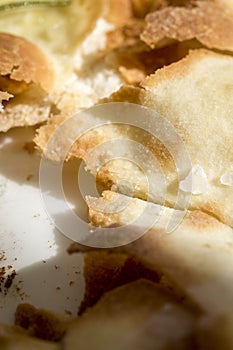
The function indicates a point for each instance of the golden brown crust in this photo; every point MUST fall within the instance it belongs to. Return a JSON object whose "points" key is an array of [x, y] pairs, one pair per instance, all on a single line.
{"points": [[210, 23], [24, 61], [200, 219], [179, 70], [135, 65], [133, 58]]}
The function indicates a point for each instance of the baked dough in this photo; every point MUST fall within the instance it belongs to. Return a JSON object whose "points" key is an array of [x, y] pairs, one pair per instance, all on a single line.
{"points": [[26, 77], [202, 21], [196, 256], [138, 315]]}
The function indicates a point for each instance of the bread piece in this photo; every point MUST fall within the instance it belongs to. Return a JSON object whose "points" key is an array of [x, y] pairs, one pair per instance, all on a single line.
{"points": [[22, 61], [135, 59], [30, 107], [196, 256], [13, 339], [194, 95], [104, 271], [138, 315], [130, 21], [136, 62], [202, 119], [191, 24], [209, 22], [27, 76]]}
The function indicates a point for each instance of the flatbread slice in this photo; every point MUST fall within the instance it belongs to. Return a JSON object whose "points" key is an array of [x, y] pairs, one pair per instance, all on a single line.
{"points": [[138, 315], [197, 256], [195, 96], [104, 271]]}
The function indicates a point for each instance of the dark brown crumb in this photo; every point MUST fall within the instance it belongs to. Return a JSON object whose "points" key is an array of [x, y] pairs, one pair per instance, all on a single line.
{"points": [[6, 280], [2, 255], [9, 280], [29, 177]]}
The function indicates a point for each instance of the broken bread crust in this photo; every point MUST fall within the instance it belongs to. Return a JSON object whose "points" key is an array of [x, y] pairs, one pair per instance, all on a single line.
{"points": [[27, 76], [24, 61], [196, 256], [194, 95], [209, 22], [30, 107]]}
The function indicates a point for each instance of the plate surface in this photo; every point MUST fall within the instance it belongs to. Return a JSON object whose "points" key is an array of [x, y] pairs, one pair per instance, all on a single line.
{"points": [[46, 276]]}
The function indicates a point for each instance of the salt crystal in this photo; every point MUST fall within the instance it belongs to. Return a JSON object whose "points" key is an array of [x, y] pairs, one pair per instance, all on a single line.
{"points": [[196, 182], [227, 179]]}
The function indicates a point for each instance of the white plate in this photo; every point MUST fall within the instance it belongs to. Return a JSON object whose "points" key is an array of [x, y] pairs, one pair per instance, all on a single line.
{"points": [[46, 276]]}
